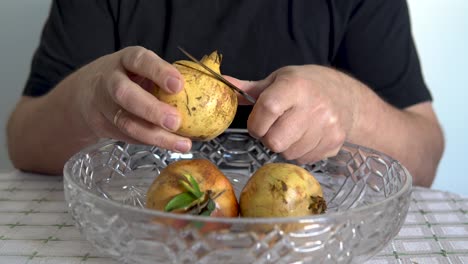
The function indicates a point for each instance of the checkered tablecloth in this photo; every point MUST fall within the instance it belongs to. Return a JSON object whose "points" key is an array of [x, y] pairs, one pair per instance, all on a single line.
{"points": [[36, 228]]}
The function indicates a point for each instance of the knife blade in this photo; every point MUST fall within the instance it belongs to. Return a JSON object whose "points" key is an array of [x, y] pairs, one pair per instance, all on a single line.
{"points": [[219, 77]]}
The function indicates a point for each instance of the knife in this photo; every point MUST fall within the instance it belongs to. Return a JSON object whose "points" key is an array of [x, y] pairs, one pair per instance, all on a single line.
{"points": [[219, 77]]}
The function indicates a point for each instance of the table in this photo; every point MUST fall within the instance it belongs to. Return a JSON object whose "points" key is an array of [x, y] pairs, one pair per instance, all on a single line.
{"points": [[36, 228]]}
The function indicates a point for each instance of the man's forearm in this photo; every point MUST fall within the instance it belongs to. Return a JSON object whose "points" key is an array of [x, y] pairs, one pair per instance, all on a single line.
{"points": [[412, 136], [44, 132]]}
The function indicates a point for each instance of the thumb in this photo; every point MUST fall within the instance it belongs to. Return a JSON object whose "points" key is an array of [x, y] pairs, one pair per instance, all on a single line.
{"points": [[253, 88]]}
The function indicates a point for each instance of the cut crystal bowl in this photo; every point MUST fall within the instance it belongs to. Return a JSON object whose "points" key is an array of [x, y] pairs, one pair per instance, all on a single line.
{"points": [[367, 193]]}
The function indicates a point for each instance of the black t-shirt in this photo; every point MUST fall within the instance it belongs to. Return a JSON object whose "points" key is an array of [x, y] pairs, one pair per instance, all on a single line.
{"points": [[368, 39]]}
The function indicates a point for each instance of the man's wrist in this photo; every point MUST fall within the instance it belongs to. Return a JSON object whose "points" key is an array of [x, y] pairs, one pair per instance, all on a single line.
{"points": [[355, 91], [68, 97]]}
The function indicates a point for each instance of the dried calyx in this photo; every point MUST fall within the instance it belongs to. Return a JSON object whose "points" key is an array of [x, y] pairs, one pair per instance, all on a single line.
{"points": [[193, 200], [317, 205]]}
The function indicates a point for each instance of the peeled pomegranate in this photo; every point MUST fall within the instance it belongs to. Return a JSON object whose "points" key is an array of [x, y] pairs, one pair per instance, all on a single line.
{"points": [[281, 190], [207, 106]]}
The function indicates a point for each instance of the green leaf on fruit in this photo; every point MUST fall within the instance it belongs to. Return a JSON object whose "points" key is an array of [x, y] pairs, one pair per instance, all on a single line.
{"points": [[209, 208], [191, 185], [206, 212], [198, 224], [180, 201], [195, 186]]}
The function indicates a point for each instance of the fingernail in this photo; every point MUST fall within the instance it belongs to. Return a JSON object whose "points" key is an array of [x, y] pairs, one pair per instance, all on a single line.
{"points": [[182, 146], [171, 122], [173, 84]]}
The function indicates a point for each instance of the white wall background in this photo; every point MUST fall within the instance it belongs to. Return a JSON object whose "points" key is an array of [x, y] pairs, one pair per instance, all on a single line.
{"points": [[440, 29], [21, 22]]}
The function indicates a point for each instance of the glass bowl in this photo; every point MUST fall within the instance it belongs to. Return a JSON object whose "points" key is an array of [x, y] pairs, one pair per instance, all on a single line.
{"points": [[367, 193]]}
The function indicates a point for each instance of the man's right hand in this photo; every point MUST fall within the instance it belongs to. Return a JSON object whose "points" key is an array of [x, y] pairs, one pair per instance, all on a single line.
{"points": [[107, 98], [114, 98]]}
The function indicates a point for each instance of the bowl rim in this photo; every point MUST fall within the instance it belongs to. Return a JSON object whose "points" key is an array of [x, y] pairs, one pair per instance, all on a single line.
{"points": [[68, 179]]}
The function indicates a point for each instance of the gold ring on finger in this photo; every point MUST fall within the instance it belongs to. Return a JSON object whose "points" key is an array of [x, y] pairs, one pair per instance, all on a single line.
{"points": [[117, 116]]}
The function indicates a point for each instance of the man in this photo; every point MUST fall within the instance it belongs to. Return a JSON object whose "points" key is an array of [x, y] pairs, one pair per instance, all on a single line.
{"points": [[356, 78]]}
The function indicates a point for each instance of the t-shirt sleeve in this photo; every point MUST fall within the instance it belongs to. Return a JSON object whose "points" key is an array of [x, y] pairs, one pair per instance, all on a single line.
{"points": [[378, 49], [75, 33]]}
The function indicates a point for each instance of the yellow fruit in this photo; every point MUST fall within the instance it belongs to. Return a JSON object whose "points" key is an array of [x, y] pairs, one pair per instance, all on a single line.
{"points": [[281, 190], [207, 106]]}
